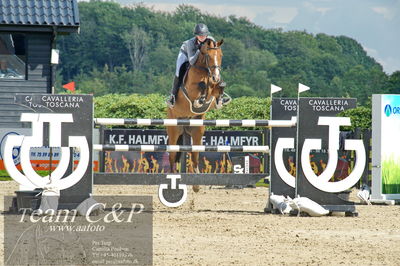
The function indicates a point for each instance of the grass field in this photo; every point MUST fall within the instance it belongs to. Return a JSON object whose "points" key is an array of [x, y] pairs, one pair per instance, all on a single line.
{"points": [[4, 176], [391, 176]]}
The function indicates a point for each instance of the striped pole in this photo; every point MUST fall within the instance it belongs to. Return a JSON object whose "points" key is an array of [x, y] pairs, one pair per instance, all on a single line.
{"points": [[195, 122], [180, 148]]}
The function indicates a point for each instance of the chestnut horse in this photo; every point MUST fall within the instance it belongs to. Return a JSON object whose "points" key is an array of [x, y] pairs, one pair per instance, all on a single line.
{"points": [[199, 93]]}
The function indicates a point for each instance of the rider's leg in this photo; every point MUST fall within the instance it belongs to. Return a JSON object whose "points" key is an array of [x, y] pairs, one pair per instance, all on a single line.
{"points": [[225, 100], [174, 92], [175, 86]]}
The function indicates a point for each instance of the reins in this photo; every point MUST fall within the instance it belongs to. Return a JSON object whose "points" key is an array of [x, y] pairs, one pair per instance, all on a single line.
{"points": [[208, 68]]}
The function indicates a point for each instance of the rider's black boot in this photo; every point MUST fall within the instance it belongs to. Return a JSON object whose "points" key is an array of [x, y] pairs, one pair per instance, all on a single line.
{"points": [[174, 92], [225, 100]]}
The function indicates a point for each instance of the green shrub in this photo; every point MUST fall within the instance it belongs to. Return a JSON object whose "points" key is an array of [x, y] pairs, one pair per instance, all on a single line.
{"points": [[153, 106], [360, 118]]}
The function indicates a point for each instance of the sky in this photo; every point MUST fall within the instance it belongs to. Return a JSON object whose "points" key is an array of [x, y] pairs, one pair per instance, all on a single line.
{"points": [[375, 24]]}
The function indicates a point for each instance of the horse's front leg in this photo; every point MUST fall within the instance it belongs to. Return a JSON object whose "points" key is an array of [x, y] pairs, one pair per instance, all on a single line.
{"points": [[202, 87], [195, 160], [173, 135], [197, 135]]}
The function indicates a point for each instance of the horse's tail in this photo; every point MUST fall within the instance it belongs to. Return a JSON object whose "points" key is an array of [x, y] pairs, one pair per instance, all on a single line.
{"points": [[178, 154]]}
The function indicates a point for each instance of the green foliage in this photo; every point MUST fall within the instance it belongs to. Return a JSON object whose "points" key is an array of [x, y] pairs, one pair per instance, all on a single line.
{"points": [[133, 50], [130, 106], [4, 176], [153, 106], [243, 108], [360, 117], [394, 83]]}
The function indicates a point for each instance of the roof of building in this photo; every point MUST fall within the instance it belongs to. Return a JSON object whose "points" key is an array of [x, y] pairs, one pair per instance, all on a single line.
{"points": [[40, 13]]}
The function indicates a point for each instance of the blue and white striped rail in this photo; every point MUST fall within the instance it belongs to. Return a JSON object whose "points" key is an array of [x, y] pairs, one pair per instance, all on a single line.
{"points": [[180, 148], [195, 122]]}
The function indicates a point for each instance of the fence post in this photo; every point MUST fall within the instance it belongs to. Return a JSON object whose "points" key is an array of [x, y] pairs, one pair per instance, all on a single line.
{"points": [[102, 166], [266, 157], [186, 140], [367, 134]]}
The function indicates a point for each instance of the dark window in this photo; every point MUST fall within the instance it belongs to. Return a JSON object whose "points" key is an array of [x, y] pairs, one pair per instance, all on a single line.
{"points": [[12, 56]]}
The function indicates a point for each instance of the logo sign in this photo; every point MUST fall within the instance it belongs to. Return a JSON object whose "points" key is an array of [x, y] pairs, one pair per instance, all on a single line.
{"points": [[319, 130], [241, 165], [174, 187], [322, 182], [16, 150], [64, 122], [30, 177], [391, 110], [388, 110]]}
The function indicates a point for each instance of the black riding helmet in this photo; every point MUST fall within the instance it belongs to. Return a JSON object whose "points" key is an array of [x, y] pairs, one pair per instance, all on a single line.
{"points": [[201, 29]]}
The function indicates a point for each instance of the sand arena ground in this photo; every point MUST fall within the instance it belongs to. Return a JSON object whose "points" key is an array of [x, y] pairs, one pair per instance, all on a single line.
{"points": [[228, 226]]}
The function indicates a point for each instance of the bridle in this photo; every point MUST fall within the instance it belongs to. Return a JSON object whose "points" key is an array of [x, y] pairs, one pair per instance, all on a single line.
{"points": [[209, 69], [213, 67]]}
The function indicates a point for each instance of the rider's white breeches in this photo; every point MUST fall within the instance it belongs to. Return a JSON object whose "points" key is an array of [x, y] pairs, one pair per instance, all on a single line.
{"points": [[182, 58]]}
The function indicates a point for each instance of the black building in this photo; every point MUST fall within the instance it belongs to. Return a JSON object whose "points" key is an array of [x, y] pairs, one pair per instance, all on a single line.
{"points": [[28, 58]]}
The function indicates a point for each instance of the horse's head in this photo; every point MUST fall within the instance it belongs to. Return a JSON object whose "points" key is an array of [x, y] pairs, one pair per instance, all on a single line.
{"points": [[212, 55]]}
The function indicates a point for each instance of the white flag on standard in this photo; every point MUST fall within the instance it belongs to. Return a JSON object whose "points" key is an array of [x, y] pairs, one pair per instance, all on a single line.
{"points": [[275, 88], [303, 88]]}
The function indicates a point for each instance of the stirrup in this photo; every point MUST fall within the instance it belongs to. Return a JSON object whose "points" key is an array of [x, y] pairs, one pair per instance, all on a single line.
{"points": [[225, 99]]}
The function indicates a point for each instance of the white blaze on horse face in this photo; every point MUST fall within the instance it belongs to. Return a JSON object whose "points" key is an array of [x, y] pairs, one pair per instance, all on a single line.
{"points": [[216, 75]]}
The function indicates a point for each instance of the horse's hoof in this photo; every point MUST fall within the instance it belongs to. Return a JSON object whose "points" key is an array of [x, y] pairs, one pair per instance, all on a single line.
{"points": [[196, 188], [219, 105], [196, 104]]}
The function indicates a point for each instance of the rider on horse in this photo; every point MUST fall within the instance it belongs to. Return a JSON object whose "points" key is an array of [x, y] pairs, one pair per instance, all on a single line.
{"points": [[188, 54]]}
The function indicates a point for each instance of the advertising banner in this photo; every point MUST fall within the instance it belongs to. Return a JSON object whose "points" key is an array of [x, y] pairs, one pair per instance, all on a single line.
{"points": [[283, 109], [41, 158], [58, 121], [313, 128], [385, 147], [283, 163], [158, 162]]}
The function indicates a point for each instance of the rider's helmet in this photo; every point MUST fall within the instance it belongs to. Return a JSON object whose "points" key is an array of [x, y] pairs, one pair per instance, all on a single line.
{"points": [[201, 29]]}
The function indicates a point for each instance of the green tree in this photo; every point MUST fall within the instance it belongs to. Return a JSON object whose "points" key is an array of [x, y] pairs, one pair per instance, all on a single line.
{"points": [[100, 61], [137, 41], [394, 83]]}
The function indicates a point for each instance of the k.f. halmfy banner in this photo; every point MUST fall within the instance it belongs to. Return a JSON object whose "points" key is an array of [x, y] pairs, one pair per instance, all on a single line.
{"points": [[158, 162]]}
